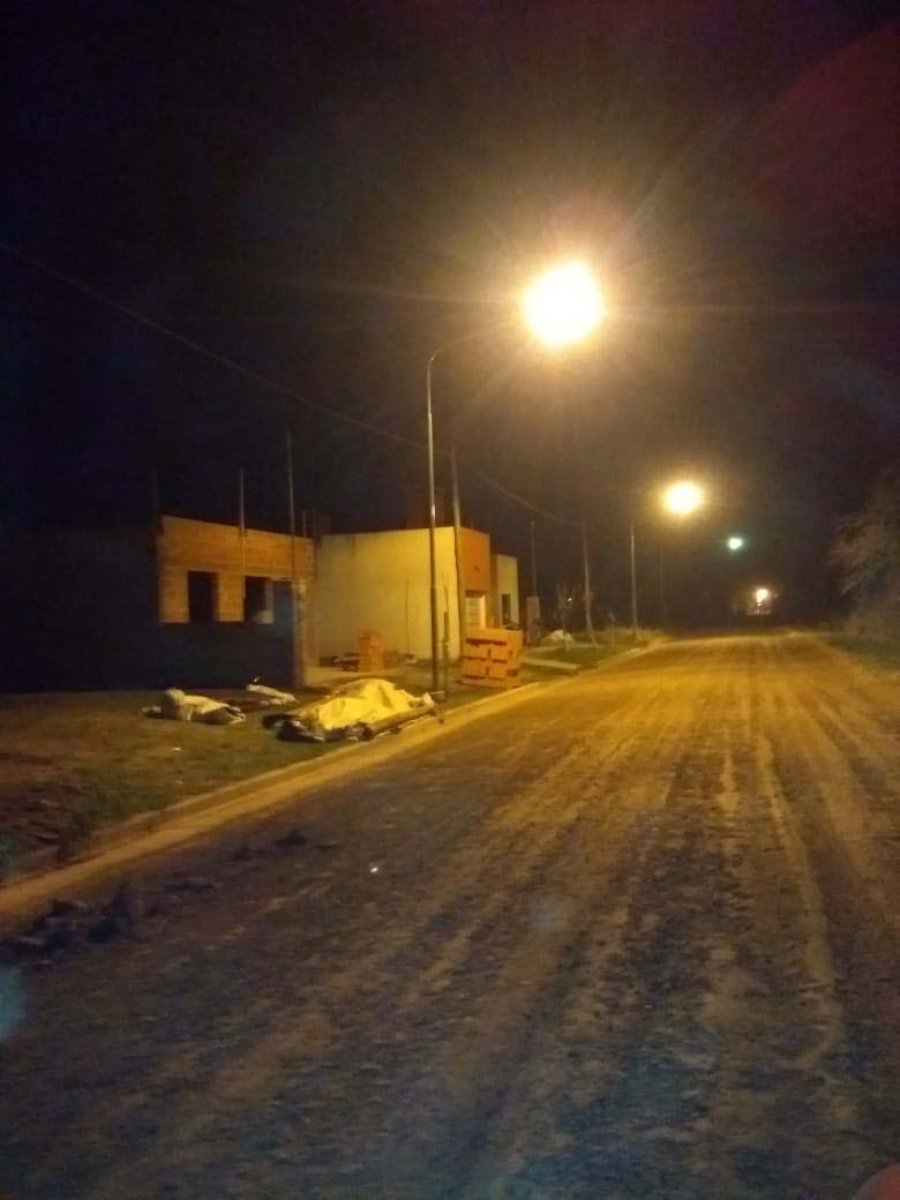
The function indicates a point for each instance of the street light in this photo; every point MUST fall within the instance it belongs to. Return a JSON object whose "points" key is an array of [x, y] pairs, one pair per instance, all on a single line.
{"points": [[561, 307], [564, 305], [734, 544], [681, 499]]}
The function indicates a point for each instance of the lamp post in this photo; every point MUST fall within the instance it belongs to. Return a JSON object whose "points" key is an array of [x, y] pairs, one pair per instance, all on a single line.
{"points": [[561, 307], [432, 522], [681, 499], [564, 306]]}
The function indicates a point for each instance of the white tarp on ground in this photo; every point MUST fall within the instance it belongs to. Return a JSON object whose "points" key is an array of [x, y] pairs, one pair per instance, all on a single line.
{"points": [[364, 706], [559, 637]]}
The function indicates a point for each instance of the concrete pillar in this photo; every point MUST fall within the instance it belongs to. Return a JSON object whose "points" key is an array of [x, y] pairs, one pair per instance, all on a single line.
{"points": [[228, 597]]}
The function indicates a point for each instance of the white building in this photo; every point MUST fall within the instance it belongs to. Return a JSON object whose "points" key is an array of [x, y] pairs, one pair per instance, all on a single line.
{"points": [[380, 582]]}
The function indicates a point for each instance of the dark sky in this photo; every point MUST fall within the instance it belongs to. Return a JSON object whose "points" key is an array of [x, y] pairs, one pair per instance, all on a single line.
{"points": [[324, 192]]}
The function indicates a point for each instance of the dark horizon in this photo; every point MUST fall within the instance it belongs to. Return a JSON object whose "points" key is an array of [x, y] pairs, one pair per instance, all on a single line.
{"points": [[324, 193]]}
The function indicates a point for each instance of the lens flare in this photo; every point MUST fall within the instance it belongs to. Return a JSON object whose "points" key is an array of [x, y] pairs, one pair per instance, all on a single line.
{"points": [[564, 305]]}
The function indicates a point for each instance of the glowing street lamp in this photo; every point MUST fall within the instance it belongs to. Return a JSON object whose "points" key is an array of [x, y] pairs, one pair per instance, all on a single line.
{"points": [[564, 305], [683, 498], [761, 595], [735, 543]]}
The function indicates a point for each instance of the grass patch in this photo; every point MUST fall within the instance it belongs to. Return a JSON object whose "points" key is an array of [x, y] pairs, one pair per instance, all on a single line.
{"points": [[74, 762], [881, 652], [588, 654]]}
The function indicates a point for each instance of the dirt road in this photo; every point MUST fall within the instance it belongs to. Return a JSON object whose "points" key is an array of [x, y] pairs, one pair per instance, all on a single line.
{"points": [[636, 937]]}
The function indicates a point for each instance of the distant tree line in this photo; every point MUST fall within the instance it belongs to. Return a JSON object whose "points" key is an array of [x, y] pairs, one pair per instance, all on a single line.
{"points": [[866, 554]]}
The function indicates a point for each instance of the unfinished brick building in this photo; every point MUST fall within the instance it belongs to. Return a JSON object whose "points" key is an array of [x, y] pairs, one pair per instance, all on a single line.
{"points": [[191, 604]]}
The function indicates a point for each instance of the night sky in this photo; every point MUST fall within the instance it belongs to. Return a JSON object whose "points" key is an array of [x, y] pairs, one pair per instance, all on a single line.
{"points": [[322, 193]]}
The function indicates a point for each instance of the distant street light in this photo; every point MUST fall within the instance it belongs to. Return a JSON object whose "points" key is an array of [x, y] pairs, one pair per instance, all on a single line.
{"points": [[735, 543], [562, 307], [761, 595]]}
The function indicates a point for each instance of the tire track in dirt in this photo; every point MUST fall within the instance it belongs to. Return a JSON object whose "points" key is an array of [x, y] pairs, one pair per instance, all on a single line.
{"points": [[183, 1062], [474, 878]]}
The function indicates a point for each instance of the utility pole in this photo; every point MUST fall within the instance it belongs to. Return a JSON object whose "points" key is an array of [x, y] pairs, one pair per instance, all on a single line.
{"points": [[457, 547], [588, 598], [663, 602], [634, 600], [242, 526], [297, 613], [534, 590]]}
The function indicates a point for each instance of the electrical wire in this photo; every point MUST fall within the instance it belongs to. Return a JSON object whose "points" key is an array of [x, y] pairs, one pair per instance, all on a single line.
{"points": [[272, 384]]}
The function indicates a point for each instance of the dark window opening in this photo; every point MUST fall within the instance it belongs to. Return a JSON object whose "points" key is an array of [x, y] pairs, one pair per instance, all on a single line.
{"points": [[506, 608], [201, 597], [257, 602]]}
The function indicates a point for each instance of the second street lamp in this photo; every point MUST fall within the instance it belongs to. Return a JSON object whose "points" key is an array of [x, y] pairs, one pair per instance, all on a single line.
{"points": [[681, 499]]}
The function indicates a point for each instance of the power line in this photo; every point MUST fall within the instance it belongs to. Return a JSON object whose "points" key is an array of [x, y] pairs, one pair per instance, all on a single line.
{"points": [[223, 360], [266, 382]]}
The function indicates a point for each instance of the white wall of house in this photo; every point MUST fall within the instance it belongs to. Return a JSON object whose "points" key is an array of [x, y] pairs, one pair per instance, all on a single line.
{"points": [[380, 582], [505, 581]]}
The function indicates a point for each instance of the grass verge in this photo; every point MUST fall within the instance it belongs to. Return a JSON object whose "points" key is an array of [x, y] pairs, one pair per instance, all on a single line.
{"points": [[74, 762], [881, 652]]}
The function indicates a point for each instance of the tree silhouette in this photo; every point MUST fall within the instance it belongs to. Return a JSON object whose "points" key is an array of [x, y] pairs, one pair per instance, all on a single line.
{"points": [[866, 553]]}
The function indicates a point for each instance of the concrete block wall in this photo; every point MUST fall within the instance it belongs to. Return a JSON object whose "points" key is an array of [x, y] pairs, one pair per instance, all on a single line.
{"points": [[173, 594], [207, 546], [228, 597]]}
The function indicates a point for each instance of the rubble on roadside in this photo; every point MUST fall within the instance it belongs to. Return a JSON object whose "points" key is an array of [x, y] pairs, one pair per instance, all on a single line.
{"points": [[68, 924]]}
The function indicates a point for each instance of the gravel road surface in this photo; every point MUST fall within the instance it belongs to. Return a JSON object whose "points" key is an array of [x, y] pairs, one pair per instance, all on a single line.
{"points": [[638, 936]]}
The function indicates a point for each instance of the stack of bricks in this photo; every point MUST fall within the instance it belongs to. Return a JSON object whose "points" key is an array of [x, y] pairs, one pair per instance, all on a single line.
{"points": [[491, 657], [371, 652]]}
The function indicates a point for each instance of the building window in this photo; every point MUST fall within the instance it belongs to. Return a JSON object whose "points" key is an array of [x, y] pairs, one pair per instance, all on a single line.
{"points": [[506, 608], [475, 610], [258, 600], [201, 597]]}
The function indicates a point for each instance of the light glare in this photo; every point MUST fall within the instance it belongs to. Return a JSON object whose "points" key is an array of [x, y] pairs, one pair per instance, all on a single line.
{"points": [[735, 543], [683, 498], [564, 305]]}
